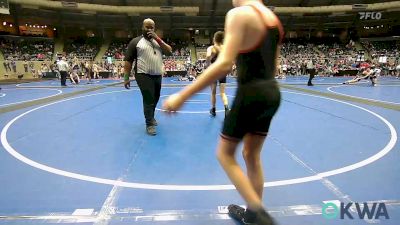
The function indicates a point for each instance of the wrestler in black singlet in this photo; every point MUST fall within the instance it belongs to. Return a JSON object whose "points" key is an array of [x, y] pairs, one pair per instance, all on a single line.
{"points": [[213, 59], [258, 96]]}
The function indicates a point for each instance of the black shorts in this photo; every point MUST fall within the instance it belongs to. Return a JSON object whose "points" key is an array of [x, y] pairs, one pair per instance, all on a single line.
{"points": [[312, 71], [221, 81], [252, 110]]}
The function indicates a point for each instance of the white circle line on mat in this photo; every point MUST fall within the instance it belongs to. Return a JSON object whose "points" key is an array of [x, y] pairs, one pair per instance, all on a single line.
{"points": [[385, 150]]}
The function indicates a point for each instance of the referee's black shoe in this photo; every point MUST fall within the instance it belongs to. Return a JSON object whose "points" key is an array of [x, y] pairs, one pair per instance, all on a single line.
{"points": [[151, 130]]}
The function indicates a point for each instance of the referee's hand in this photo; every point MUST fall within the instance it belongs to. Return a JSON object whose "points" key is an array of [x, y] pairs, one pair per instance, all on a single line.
{"points": [[127, 84]]}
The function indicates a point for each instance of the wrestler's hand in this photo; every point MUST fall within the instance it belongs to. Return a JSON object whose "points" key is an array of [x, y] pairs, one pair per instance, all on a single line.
{"points": [[173, 103]]}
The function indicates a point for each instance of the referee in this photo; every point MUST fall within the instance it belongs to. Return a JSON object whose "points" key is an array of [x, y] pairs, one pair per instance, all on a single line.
{"points": [[312, 71], [63, 67], [146, 52]]}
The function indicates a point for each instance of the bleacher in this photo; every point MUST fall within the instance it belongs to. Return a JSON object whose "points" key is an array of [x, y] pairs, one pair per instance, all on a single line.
{"points": [[83, 49], [26, 48]]}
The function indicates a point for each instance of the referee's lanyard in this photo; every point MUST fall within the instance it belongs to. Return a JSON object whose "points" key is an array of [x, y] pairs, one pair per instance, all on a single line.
{"points": [[152, 45]]}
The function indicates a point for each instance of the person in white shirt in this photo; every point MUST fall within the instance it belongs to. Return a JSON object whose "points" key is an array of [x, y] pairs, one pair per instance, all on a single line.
{"points": [[284, 69], [311, 71], [63, 67], [376, 72], [280, 74]]}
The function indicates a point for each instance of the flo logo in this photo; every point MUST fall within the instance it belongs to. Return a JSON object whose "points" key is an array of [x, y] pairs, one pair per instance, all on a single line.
{"points": [[370, 15], [363, 210]]}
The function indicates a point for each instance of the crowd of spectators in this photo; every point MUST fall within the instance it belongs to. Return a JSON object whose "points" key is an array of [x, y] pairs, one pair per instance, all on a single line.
{"points": [[382, 48], [83, 49], [31, 49], [328, 56], [117, 49]]}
